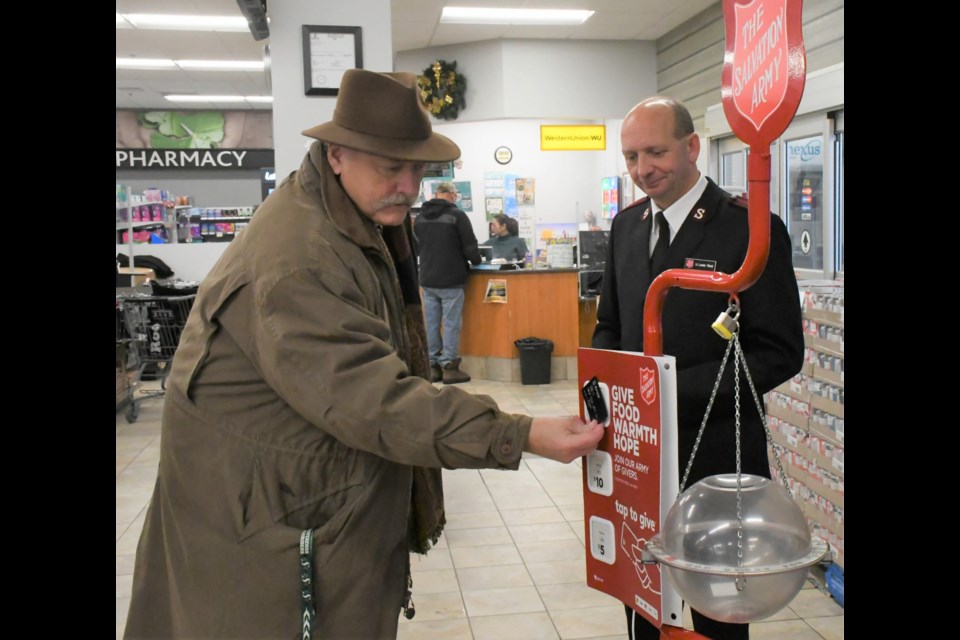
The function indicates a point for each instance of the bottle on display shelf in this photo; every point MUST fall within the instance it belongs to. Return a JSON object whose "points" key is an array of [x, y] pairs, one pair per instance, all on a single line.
{"points": [[528, 261]]}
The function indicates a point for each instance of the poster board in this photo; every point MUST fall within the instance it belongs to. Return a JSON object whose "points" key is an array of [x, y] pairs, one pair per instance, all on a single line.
{"points": [[631, 480], [610, 197]]}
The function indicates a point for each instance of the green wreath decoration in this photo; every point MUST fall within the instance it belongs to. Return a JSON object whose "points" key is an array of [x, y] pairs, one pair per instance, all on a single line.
{"points": [[442, 89]]}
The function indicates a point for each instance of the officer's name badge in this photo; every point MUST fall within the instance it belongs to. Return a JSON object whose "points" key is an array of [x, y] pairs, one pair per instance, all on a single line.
{"points": [[700, 263]]}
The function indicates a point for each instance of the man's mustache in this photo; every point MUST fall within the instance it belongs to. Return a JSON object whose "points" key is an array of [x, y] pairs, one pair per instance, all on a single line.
{"points": [[395, 200]]}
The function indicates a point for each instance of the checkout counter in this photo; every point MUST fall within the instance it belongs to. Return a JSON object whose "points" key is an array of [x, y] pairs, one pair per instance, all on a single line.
{"points": [[540, 302]]}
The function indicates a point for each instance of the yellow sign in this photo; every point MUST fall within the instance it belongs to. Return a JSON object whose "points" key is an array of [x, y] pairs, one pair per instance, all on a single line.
{"points": [[573, 137], [496, 291]]}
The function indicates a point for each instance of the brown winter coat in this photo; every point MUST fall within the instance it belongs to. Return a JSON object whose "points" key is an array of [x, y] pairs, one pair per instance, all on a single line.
{"points": [[291, 405]]}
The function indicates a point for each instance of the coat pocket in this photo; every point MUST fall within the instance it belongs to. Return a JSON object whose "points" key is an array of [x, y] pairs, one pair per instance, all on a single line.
{"points": [[296, 498]]}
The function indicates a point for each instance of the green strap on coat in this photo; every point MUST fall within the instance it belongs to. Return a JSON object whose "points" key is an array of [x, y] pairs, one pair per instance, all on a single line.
{"points": [[307, 605]]}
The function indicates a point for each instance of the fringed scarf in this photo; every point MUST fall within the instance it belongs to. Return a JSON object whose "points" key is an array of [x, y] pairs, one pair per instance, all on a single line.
{"points": [[427, 517]]}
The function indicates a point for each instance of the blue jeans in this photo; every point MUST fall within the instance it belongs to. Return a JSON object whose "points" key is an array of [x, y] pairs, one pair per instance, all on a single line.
{"points": [[444, 305]]}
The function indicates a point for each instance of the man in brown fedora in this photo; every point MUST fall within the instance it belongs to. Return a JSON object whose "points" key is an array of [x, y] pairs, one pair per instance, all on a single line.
{"points": [[302, 442]]}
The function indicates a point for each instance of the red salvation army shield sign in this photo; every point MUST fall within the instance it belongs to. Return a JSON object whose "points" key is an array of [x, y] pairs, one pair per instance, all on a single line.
{"points": [[648, 385], [764, 67]]}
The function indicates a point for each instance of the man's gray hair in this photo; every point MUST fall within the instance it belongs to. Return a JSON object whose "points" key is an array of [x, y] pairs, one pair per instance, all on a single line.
{"points": [[445, 187]]}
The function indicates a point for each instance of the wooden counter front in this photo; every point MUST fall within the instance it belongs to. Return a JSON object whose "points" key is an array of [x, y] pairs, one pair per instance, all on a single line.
{"points": [[541, 303]]}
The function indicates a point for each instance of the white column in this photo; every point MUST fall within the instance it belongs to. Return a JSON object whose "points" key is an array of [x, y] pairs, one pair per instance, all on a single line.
{"points": [[293, 111]]}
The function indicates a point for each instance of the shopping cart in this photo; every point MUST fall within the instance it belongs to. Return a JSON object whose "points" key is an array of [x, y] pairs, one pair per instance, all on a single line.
{"points": [[152, 325]]}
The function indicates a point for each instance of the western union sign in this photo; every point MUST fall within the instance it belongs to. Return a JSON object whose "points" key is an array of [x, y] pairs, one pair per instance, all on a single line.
{"points": [[573, 137]]}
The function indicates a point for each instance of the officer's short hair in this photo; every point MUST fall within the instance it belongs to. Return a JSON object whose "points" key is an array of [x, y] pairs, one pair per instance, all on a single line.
{"points": [[682, 120], [445, 187]]}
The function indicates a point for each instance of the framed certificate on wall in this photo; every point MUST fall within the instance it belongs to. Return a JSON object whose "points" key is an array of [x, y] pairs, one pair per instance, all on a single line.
{"points": [[328, 51]]}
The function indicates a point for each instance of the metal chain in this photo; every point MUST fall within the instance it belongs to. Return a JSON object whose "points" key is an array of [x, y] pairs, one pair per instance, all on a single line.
{"points": [[706, 415], [763, 419], [739, 358], [738, 354]]}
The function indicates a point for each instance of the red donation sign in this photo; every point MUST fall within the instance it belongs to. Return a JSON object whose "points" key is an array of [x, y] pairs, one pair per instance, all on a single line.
{"points": [[630, 481], [764, 67]]}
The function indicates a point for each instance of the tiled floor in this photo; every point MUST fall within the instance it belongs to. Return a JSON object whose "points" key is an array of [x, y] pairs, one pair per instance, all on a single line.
{"points": [[511, 562]]}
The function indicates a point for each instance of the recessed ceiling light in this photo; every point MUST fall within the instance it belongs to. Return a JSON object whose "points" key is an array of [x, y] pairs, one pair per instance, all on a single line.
{"points": [[193, 65], [199, 98], [481, 15], [145, 63], [187, 23], [221, 65]]}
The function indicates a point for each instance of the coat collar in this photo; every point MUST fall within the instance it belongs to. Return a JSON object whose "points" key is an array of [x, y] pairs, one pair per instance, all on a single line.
{"points": [[701, 213], [319, 180], [691, 232], [694, 226]]}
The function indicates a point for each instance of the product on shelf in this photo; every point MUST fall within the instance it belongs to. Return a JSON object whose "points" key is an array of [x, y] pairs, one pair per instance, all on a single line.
{"points": [[158, 216], [805, 416]]}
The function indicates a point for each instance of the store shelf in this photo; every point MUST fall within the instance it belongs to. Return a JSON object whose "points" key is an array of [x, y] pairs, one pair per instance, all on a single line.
{"points": [[122, 200], [838, 558], [139, 224], [826, 434], [811, 416], [826, 317], [197, 225], [783, 439], [828, 375], [786, 415], [788, 408], [794, 389], [130, 232], [826, 404], [829, 347], [815, 485], [823, 519], [813, 445]]}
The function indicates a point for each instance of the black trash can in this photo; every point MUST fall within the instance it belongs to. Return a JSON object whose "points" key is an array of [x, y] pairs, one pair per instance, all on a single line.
{"points": [[534, 360]]}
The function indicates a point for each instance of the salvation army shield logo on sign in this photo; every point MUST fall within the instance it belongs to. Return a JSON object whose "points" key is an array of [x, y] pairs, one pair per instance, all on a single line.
{"points": [[760, 59], [764, 67], [648, 385]]}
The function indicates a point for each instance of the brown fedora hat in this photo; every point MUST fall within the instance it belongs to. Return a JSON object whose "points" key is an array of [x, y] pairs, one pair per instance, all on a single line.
{"points": [[382, 113]]}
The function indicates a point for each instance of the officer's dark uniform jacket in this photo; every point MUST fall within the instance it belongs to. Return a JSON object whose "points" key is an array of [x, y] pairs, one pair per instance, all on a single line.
{"points": [[714, 237]]}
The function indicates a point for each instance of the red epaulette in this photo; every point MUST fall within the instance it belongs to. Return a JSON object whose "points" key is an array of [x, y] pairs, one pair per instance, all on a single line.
{"points": [[636, 203], [740, 201]]}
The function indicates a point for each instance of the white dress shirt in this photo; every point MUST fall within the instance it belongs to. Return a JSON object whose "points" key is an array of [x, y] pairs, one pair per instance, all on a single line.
{"points": [[677, 212]]}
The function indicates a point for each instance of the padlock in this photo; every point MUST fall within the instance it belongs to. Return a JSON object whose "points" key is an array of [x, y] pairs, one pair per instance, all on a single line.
{"points": [[726, 324]]}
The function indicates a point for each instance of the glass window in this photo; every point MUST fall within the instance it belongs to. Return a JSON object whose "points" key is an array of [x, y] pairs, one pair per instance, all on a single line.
{"points": [[803, 170], [775, 179], [839, 201], [733, 156], [733, 171]]}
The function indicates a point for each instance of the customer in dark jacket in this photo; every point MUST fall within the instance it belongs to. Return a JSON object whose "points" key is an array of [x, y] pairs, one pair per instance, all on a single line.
{"points": [[446, 245]]}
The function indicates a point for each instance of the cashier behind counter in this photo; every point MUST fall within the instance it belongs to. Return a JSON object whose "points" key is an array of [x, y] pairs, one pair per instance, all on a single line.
{"points": [[505, 239]]}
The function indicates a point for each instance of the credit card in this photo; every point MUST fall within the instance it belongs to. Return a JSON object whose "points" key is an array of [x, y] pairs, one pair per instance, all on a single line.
{"points": [[592, 396]]}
